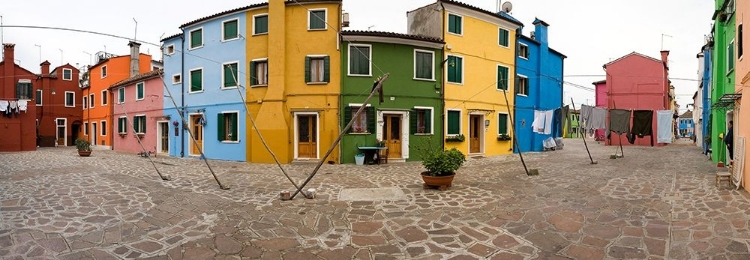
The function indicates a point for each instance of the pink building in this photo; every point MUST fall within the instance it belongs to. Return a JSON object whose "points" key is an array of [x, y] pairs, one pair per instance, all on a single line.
{"points": [[138, 107], [638, 82], [601, 99]]}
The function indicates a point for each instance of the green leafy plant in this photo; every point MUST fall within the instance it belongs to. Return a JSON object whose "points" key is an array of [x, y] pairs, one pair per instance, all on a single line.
{"points": [[443, 162], [503, 137], [83, 145], [457, 138]]}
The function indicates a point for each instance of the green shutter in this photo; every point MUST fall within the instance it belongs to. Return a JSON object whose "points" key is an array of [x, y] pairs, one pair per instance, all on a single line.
{"points": [[136, 124], [413, 119], [502, 124], [235, 126], [196, 80], [19, 87], [196, 38], [143, 118], [424, 65], [317, 19], [427, 121], [307, 69], [119, 125], [326, 69], [253, 74], [139, 89], [220, 124], [261, 24], [370, 119], [504, 37], [353, 60], [230, 30], [454, 122], [364, 61], [451, 69], [347, 117], [502, 78], [230, 75], [124, 124]]}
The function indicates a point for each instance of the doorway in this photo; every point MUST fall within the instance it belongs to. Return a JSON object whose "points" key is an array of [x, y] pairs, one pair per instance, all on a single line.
{"points": [[392, 125], [162, 131], [307, 135], [475, 133], [93, 134], [62, 132], [196, 126], [730, 118]]}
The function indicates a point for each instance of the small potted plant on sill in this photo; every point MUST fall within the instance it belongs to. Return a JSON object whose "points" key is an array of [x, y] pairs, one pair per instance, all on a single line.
{"points": [[503, 137], [84, 147], [456, 138], [441, 166]]}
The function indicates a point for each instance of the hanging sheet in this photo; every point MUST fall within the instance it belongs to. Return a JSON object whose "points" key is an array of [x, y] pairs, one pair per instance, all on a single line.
{"points": [[597, 119], [619, 120], [664, 126]]}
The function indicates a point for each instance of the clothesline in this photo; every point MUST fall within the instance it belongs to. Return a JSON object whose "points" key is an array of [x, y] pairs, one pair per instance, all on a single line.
{"points": [[594, 118]]}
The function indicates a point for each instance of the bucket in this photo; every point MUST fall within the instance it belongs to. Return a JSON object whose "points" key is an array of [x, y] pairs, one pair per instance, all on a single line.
{"points": [[359, 159]]}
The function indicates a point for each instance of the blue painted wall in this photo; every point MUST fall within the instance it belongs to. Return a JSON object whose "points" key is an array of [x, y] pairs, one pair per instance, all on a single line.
{"points": [[706, 112], [544, 71], [685, 124], [213, 100]]}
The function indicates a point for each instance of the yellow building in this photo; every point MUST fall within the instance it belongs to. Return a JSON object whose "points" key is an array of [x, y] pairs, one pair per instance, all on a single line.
{"points": [[294, 81], [479, 70]]}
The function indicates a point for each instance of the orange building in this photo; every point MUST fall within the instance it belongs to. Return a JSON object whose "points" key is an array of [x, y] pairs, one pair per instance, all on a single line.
{"points": [[97, 101]]}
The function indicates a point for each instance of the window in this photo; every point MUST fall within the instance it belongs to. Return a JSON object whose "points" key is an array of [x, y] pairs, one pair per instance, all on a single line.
{"points": [[454, 122], [170, 49], [523, 86], [24, 89], [122, 125], [176, 78], [70, 99], [359, 60], [196, 38], [120, 95], [523, 51], [85, 128], [259, 72], [231, 74], [739, 42], [504, 37], [230, 30], [139, 124], [104, 127], [105, 98], [455, 69], [38, 97], [502, 77], [85, 102], [424, 65], [317, 69], [140, 91], [228, 127], [196, 80], [317, 19], [364, 123], [260, 24], [730, 56], [455, 24], [421, 120], [502, 124], [104, 71], [91, 101], [67, 74]]}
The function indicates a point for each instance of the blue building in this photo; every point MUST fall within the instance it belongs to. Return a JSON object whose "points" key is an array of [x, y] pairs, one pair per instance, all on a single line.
{"points": [[539, 85], [706, 111], [686, 126], [204, 70]]}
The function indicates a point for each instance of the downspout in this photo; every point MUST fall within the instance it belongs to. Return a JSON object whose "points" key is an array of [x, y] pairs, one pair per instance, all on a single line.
{"points": [[181, 110], [339, 48], [515, 88], [443, 77]]}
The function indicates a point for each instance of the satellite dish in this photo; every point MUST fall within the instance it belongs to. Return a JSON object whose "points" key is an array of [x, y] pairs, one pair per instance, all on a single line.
{"points": [[507, 7]]}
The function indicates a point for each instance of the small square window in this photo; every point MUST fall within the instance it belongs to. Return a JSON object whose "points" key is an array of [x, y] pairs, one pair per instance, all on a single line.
{"points": [[230, 30], [455, 69], [359, 60], [196, 38], [259, 73], [104, 71], [176, 78], [523, 51], [67, 74], [455, 24], [502, 124], [122, 125], [424, 65], [70, 99], [317, 69], [422, 121], [140, 91], [317, 20], [170, 49], [523, 86], [454, 122], [504, 37], [196, 80], [260, 24], [139, 124], [230, 75], [228, 127]]}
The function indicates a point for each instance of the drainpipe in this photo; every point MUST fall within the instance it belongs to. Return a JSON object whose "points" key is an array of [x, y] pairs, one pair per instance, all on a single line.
{"points": [[443, 77], [515, 88], [181, 110]]}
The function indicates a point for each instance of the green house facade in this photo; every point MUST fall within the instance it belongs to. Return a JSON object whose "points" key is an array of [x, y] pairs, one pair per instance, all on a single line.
{"points": [[723, 79], [409, 116], [572, 126]]}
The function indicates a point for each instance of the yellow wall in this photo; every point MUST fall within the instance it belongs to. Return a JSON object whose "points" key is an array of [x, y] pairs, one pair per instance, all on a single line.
{"points": [[481, 54], [286, 46]]}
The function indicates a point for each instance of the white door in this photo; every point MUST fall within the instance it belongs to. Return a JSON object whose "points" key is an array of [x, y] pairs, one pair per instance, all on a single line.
{"points": [[93, 133], [162, 131], [61, 134]]}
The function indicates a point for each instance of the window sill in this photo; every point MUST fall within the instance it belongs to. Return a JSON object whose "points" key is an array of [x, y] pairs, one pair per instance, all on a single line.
{"points": [[175, 83], [230, 142], [502, 90], [359, 75], [522, 95], [525, 58], [68, 79], [419, 79], [229, 88], [260, 34], [455, 83], [423, 134], [138, 99], [259, 86], [195, 48], [317, 83], [65, 106], [507, 47], [195, 92], [456, 34], [317, 29], [362, 133], [229, 40]]}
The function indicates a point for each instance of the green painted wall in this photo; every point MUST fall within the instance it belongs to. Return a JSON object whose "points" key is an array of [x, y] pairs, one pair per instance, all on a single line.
{"points": [[571, 124], [722, 80], [401, 92]]}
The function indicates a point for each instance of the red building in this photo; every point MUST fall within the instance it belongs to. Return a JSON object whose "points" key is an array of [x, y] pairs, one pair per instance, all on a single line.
{"points": [[58, 102], [601, 101], [17, 130], [638, 82]]}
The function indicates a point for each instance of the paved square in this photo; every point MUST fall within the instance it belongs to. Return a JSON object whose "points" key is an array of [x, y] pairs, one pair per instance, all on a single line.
{"points": [[655, 203]]}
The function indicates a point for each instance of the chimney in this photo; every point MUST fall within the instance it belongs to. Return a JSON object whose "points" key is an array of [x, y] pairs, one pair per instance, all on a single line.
{"points": [[540, 31], [45, 68], [664, 59], [134, 58], [9, 56]]}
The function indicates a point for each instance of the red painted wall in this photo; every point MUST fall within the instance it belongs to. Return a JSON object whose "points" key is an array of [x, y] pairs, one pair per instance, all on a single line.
{"points": [[637, 82], [601, 100], [17, 133], [53, 105]]}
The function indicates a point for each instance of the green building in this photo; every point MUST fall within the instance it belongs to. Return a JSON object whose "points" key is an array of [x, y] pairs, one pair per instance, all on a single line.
{"points": [[572, 127], [723, 76], [410, 115]]}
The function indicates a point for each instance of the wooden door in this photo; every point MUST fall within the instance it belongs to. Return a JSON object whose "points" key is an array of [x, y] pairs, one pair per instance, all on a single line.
{"points": [[197, 128], [392, 135], [163, 137], [60, 135], [307, 136], [93, 134], [475, 128]]}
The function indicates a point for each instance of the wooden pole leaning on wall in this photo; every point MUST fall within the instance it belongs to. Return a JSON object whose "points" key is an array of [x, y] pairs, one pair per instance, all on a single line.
{"points": [[584, 134], [376, 89], [515, 137]]}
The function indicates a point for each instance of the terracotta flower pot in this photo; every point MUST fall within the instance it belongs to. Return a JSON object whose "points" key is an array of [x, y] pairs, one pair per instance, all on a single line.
{"points": [[84, 153], [437, 181]]}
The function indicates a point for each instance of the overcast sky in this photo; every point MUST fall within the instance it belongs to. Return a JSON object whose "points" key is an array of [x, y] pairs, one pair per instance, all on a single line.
{"points": [[589, 32]]}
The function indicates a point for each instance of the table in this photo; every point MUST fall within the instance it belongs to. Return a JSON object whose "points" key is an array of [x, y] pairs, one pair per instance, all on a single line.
{"points": [[370, 152]]}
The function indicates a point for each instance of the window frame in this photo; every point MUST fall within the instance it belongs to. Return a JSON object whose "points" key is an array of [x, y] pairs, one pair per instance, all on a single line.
{"points": [[236, 126], [105, 97], [730, 60], [349, 60], [179, 77], [28, 87], [499, 30], [254, 66], [85, 127], [103, 128], [519, 88], [223, 26], [521, 53], [236, 75], [103, 71], [141, 125], [740, 41], [120, 95], [190, 81], [447, 70], [170, 49], [366, 129], [120, 121], [507, 124], [460, 125], [310, 16], [92, 100], [85, 101], [461, 28], [432, 64], [432, 120], [321, 57], [190, 38], [497, 78], [39, 97], [72, 101], [255, 24], [142, 85], [70, 73]]}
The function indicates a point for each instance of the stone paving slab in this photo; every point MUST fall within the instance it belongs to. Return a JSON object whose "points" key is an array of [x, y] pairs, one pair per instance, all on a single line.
{"points": [[655, 203]]}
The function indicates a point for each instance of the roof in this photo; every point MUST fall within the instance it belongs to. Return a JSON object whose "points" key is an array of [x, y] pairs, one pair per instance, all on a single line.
{"points": [[688, 114], [139, 77], [536, 42], [599, 82], [508, 18], [240, 9], [392, 35], [506, 15], [539, 21], [631, 54], [171, 37]]}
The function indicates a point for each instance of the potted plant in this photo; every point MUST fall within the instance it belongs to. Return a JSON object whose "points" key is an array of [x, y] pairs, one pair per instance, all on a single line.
{"points": [[441, 166], [380, 143], [455, 138], [503, 137], [84, 147]]}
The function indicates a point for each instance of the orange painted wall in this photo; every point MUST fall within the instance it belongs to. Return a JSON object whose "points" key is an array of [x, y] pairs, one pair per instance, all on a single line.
{"points": [[118, 69]]}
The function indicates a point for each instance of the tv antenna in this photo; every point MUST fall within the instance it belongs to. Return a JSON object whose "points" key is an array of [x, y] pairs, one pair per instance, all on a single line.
{"points": [[507, 7]]}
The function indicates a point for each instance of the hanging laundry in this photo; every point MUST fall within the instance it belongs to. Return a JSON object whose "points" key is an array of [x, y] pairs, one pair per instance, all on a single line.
{"points": [[13, 107], [539, 119], [4, 106], [557, 123], [619, 120], [642, 122], [565, 116], [23, 105], [585, 113], [664, 126], [597, 119], [548, 116]]}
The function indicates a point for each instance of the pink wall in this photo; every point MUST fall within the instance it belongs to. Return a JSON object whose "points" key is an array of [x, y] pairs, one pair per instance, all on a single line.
{"points": [[601, 100], [639, 83], [152, 105]]}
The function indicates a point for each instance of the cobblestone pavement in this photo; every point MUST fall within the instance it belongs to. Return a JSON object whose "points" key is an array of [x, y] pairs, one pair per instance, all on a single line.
{"points": [[655, 203]]}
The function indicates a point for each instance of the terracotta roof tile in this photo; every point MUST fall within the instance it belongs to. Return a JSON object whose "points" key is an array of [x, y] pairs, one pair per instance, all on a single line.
{"points": [[139, 77]]}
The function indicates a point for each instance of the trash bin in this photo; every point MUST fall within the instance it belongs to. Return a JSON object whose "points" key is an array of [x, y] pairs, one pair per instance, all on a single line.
{"points": [[359, 159]]}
